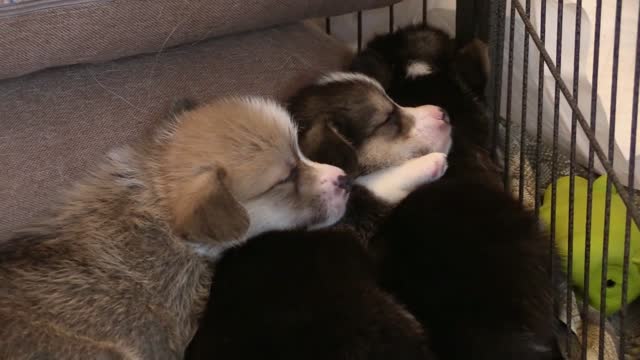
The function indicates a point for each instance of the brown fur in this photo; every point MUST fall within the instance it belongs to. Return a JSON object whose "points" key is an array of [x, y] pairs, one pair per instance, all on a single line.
{"points": [[112, 273], [348, 120]]}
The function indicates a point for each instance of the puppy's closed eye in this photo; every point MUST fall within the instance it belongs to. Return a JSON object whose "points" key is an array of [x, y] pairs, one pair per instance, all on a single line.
{"points": [[291, 177], [391, 121]]}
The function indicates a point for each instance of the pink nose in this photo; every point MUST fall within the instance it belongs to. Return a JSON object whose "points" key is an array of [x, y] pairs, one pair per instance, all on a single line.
{"points": [[333, 179], [434, 112]]}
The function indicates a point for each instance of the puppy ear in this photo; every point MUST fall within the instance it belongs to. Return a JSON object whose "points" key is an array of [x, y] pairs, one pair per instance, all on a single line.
{"points": [[331, 147], [205, 211], [371, 63], [473, 65]]}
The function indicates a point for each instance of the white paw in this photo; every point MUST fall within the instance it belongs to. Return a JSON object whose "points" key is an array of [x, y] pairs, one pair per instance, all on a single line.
{"points": [[432, 167], [395, 183]]}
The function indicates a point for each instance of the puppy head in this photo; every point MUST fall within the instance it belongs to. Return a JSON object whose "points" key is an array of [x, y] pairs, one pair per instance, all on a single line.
{"points": [[418, 52], [232, 169], [420, 65], [347, 120], [409, 53]]}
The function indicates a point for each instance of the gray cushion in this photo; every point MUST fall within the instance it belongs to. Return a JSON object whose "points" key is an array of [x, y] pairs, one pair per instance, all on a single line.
{"points": [[56, 124], [47, 33]]}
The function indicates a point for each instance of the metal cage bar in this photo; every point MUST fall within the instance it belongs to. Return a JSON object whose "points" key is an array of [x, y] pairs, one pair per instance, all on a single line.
{"points": [[589, 215], [607, 209], [556, 129], [632, 166], [622, 191], [507, 126], [572, 172], [523, 122], [496, 48]]}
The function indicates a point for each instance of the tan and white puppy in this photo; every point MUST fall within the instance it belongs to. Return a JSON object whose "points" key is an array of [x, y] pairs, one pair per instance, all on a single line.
{"points": [[117, 271]]}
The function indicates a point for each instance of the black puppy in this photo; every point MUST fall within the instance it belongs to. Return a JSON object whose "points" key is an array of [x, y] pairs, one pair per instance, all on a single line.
{"points": [[468, 261], [469, 264], [298, 295]]}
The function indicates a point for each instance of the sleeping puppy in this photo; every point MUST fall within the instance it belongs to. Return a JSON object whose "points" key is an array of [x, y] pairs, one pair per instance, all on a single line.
{"points": [[465, 258], [120, 270], [418, 66], [314, 295], [348, 120], [471, 265], [304, 295]]}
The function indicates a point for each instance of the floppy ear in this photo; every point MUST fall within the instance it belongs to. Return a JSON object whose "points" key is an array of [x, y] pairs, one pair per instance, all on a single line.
{"points": [[369, 62], [330, 147], [473, 65], [205, 211]]}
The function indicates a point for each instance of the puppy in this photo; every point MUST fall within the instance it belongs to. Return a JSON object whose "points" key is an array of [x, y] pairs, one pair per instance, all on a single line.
{"points": [[349, 120], [304, 295], [319, 298], [120, 270], [465, 258], [417, 66], [471, 265]]}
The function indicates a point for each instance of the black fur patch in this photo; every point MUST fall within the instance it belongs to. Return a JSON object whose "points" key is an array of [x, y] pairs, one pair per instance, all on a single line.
{"points": [[299, 295], [469, 263]]}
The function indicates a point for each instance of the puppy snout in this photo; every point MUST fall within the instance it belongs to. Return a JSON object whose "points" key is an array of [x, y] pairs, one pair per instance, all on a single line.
{"points": [[431, 113], [436, 112], [344, 182], [332, 178]]}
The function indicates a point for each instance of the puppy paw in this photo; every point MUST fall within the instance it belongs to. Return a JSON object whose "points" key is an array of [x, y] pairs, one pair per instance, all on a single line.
{"points": [[434, 167], [395, 183]]}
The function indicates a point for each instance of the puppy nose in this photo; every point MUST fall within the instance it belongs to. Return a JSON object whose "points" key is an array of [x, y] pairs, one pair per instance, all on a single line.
{"points": [[432, 112], [344, 182], [441, 114]]}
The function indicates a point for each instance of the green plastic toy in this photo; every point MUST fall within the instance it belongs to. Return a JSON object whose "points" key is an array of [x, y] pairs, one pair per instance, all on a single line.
{"points": [[616, 240]]}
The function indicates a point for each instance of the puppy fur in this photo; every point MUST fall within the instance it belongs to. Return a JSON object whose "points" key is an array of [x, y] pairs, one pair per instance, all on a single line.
{"points": [[420, 65], [116, 271], [471, 266], [348, 120], [468, 261], [339, 312], [460, 253], [299, 295]]}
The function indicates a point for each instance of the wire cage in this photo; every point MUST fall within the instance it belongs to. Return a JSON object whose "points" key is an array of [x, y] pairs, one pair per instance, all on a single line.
{"points": [[547, 126]]}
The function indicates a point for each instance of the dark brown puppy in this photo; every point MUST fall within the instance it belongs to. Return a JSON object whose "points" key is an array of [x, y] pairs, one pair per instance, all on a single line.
{"points": [[468, 261]]}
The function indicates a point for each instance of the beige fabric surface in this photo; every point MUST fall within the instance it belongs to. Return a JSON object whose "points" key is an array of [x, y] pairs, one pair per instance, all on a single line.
{"points": [[57, 123], [100, 30]]}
